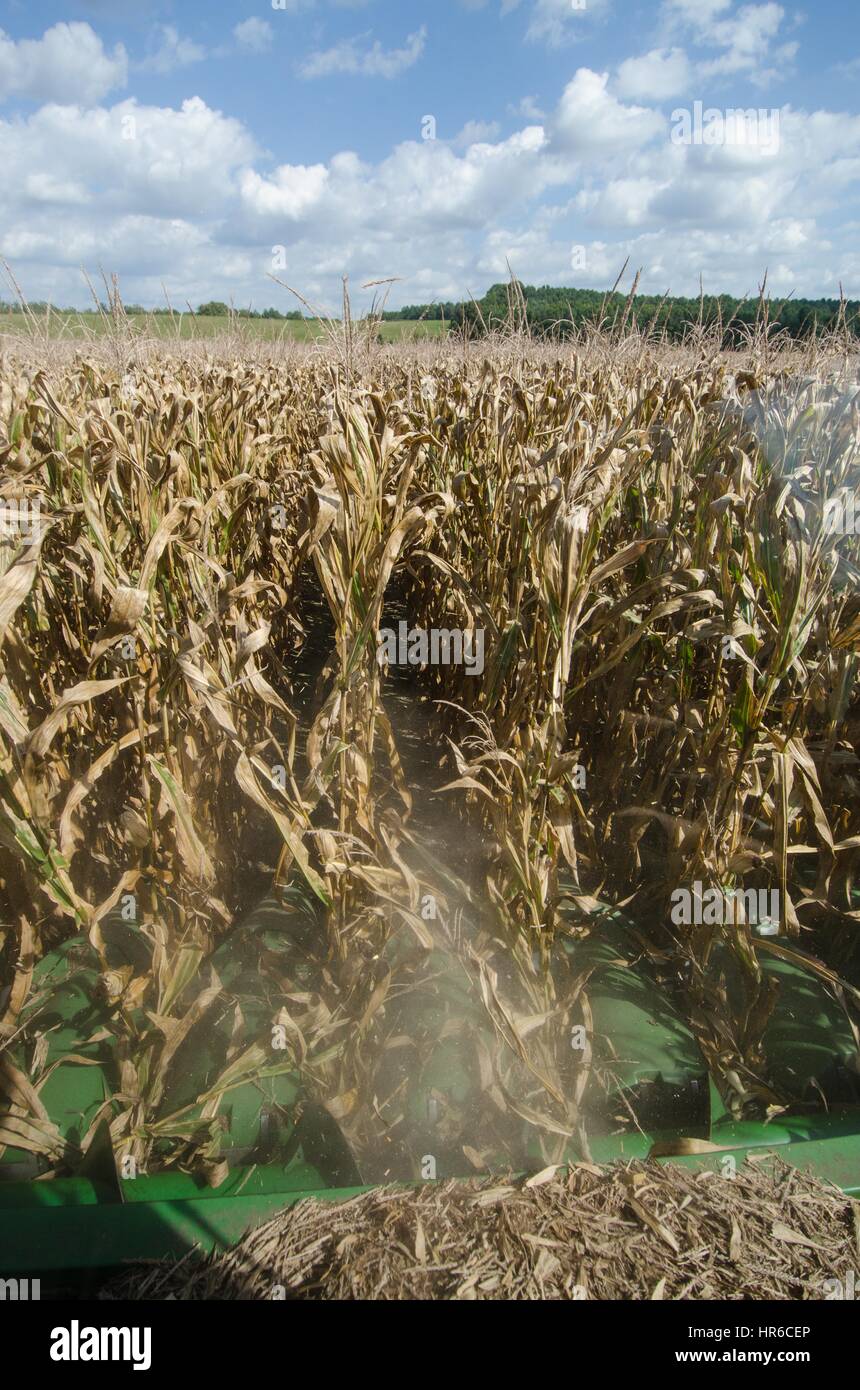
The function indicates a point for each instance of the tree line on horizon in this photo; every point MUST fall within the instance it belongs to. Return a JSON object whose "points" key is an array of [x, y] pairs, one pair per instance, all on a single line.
{"points": [[549, 311], [554, 312]]}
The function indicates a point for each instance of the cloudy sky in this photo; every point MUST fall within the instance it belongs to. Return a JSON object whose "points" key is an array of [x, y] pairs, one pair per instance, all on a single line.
{"points": [[190, 143]]}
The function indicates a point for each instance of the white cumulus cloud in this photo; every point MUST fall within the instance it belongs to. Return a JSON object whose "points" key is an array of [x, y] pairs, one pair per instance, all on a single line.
{"points": [[254, 35], [173, 51], [185, 195], [350, 57], [661, 73], [68, 64]]}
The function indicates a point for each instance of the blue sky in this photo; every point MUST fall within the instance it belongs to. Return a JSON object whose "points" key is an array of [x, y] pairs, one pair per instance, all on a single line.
{"points": [[204, 145]]}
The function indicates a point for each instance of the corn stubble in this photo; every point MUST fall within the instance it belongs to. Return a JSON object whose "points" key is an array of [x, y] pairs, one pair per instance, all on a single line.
{"points": [[627, 1231], [608, 518]]}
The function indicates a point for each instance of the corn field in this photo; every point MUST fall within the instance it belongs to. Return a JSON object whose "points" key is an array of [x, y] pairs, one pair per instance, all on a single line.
{"points": [[195, 720]]}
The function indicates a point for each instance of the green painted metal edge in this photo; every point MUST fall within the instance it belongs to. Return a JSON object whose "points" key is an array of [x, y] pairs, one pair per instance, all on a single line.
{"points": [[832, 1160], [39, 1240]]}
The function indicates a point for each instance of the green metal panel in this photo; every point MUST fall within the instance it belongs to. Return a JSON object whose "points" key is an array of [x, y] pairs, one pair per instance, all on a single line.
{"points": [[171, 1217], [641, 1047], [809, 1041], [638, 1033]]}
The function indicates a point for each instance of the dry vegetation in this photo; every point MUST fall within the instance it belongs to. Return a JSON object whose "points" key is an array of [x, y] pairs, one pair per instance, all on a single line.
{"points": [[608, 514], [632, 1232]]}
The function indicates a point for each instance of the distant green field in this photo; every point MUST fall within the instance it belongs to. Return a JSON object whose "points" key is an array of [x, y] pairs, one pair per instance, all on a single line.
{"points": [[86, 324]]}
